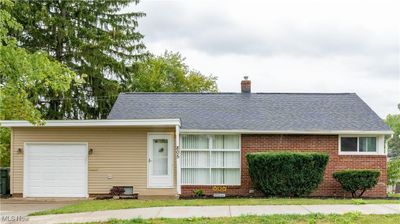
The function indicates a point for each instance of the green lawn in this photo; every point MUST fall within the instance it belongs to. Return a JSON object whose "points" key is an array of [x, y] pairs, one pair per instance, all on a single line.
{"points": [[98, 205], [391, 195], [348, 218]]}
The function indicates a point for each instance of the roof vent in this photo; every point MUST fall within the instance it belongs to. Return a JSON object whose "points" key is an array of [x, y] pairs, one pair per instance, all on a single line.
{"points": [[246, 85]]}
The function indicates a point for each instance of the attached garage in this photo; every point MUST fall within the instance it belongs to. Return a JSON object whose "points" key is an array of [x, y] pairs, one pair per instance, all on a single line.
{"points": [[55, 170], [86, 158]]}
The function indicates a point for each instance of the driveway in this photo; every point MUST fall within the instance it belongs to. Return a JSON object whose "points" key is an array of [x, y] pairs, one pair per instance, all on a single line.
{"points": [[23, 206]]}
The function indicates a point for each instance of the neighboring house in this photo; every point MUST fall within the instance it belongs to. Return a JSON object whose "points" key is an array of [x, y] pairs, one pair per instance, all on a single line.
{"points": [[168, 144]]}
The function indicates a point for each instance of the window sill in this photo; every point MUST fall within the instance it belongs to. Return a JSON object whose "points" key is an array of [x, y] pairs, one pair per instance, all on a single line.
{"points": [[361, 154], [211, 185], [210, 150]]}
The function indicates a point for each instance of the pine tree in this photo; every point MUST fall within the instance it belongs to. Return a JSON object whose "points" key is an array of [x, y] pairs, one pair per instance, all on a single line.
{"points": [[94, 38]]}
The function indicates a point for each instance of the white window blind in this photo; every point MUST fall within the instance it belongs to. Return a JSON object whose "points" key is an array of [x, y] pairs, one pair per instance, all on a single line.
{"points": [[210, 159]]}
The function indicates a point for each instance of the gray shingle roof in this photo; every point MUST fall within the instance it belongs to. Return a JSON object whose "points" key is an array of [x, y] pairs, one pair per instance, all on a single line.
{"points": [[254, 111]]}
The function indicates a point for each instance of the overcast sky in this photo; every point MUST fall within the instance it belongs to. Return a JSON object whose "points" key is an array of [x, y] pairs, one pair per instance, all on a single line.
{"points": [[285, 46]]}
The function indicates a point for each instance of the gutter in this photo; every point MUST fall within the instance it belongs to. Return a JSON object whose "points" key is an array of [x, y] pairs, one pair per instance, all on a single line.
{"points": [[316, 132], [94, 123]]}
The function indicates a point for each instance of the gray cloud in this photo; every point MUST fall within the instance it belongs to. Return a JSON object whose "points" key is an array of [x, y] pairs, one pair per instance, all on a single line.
{"points": [[213, 33], [357, 53]]}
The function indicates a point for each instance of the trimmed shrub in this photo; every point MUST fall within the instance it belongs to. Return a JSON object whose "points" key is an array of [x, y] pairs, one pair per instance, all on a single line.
{"points": [[393, 171], [357, 181], [286, 173]]}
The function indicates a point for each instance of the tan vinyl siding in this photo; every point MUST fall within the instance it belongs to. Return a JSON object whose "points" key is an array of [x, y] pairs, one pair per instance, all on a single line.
{"points": [[117, 152], [11, 162]]}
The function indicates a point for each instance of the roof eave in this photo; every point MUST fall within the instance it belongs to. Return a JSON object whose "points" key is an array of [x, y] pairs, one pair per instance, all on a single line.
{"points": [[95, 123], [316, 132]]}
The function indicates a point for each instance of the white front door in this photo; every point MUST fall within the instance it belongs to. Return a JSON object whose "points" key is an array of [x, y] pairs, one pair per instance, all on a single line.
{"points": [[160, 155]]}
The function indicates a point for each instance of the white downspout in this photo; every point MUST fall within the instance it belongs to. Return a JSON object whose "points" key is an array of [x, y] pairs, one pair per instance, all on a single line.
{"points": [[386, 149], [178, 160]]}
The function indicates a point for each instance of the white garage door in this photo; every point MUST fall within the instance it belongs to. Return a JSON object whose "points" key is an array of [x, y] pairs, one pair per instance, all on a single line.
{"points": [[55, 170]]}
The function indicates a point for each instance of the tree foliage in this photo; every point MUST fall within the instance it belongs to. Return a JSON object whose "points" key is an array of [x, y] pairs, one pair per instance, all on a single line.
{"points": [[70, 59], [393, 171], [393, 143], [4, 147], [24, 77], [94, 38], [7, 23], [169, 73]]}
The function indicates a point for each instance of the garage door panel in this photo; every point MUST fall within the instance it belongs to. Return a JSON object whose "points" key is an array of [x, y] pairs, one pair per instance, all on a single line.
{"points": [[53, 183], [56, 167], [43, 178], [51, 159], [50, 149], [55, 194], [55, 170], [52, 152], [60, 189]]}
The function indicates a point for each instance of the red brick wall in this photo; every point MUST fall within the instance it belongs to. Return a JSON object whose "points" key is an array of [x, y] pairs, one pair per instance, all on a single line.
{"points": [[305, 143]]}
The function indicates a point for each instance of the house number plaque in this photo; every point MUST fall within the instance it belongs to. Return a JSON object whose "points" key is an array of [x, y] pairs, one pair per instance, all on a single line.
{"points": [[219, 188]]}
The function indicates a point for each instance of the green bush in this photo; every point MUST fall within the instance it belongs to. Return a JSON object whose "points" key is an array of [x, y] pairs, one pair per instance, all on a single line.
{"points": [[198, 193], [393, 171], [357, 181], [286, 173]]}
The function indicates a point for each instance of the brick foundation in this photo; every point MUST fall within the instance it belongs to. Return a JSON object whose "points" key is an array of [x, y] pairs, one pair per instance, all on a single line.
{"points": [[304, 143]]}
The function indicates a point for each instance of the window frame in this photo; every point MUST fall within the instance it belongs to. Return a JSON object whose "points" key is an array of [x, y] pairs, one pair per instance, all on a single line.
{"points": [[367, 144], [210, 150], [358, 152]]}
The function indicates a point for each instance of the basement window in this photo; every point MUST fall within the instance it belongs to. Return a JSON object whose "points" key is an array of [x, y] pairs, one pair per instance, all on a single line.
{"points": [[358, 145]]}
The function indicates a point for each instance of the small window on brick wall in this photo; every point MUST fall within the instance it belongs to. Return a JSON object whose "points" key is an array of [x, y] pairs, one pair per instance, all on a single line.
{"points": [[358, 144]]}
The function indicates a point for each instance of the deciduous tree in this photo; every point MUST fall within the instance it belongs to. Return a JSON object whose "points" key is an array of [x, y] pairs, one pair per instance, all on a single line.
{"points": [[170, 73], [393, 143]]}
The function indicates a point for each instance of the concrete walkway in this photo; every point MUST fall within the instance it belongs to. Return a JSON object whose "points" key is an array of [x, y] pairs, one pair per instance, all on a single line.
{"points": [[213, 211]]}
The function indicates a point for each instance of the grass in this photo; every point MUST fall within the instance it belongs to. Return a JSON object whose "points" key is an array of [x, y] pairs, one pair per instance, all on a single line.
{"points": [[282, 219], [99, 205], [392, 195]]}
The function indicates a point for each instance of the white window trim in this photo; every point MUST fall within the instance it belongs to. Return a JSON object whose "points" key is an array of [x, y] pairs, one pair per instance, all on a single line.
{"points": [[177, 154], [215, 150], [379, 145]]}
